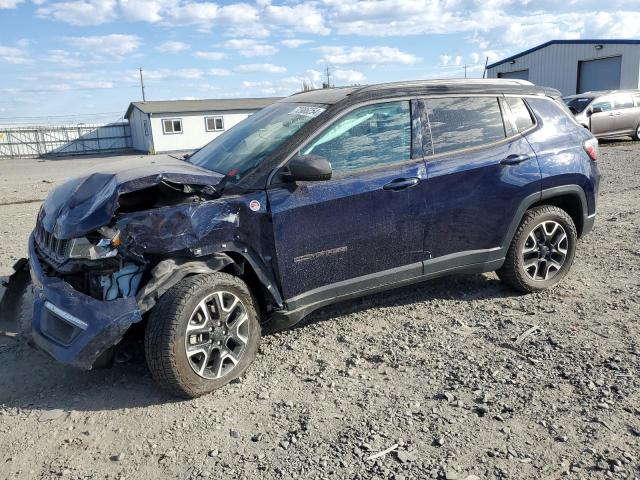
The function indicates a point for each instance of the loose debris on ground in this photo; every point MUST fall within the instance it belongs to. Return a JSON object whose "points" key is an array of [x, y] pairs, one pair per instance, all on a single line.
{"points": [[458, 378]]}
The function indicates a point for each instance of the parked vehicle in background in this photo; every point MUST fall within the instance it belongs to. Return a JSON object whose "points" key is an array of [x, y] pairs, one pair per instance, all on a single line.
{"points": [[321, 197], [608, 114]]}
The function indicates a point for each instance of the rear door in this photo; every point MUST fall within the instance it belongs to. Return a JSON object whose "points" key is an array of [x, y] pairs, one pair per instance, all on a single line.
{"points": [[603, 122], [366, 224], [480, 169]]}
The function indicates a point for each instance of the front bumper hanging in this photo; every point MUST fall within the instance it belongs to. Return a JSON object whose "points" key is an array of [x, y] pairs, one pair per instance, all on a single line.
{"points": [[72, 327]]}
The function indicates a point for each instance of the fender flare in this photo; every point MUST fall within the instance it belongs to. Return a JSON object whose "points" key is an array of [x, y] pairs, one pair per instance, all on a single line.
{"points": [[170, 271], [575, 190]]}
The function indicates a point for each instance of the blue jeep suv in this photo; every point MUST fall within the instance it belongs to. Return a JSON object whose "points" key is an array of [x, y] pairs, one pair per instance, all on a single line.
{"points": [[324, 196]]}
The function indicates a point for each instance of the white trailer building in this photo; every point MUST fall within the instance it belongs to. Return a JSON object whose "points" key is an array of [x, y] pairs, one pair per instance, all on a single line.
{"points": [[178, 125], [575, 66]]}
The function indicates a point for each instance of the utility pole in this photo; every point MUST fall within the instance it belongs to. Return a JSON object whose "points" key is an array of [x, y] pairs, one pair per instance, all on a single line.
{"points": [[328, 75], [142, 86], [465, 70]]}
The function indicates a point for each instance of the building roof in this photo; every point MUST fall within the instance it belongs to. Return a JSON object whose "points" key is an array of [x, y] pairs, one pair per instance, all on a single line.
{"points": [[564, 42], [331, 96], [206, 105]]}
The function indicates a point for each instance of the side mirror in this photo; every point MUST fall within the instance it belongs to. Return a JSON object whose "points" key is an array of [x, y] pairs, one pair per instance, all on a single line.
{"points": [[596, 110], [311, 168]]}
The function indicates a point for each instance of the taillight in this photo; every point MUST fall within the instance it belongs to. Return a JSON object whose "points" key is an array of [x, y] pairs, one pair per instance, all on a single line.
{"points": [[591, 147]]}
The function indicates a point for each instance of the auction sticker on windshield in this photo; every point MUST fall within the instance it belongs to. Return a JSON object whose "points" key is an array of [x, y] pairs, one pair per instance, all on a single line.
{"points": [[307, 111]]}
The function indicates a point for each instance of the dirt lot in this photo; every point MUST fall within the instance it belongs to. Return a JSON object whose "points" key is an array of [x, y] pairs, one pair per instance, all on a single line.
{"points": [[433, 369]]}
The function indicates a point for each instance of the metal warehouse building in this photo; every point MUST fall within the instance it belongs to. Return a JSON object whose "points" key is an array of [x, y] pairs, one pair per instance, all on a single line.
{"points": [[175, 125], [575, 66]]}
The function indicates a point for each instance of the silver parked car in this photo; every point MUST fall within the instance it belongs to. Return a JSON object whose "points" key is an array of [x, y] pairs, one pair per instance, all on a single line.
{"points": [[608, 114]]}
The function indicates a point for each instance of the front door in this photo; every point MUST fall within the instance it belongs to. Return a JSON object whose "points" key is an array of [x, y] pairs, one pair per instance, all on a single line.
{"points": [[480, 169], [602, 122], [366, 224]]}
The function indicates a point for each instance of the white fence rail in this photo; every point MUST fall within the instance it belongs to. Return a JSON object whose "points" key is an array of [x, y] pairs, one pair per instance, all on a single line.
{"points": [[60, 140]]}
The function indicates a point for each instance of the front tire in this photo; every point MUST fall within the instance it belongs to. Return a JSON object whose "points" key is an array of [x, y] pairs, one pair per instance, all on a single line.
{"points": [[636, 137], [203, 333], [542, 250]]}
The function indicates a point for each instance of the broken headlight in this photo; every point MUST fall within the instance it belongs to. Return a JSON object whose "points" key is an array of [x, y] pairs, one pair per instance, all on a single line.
{"points": [[105, 246]]}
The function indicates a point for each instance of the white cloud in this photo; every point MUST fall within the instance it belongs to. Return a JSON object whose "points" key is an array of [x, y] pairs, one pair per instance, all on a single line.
{"points": [[218, 72], [9, 4], [114, 45], [15, 55], [300, 18], [348, 76], [80, 12], [250, 48], [295, 42], [141, 10], [249, 84], [210, 55], [172, 47], [365, 55], [260, 68]]}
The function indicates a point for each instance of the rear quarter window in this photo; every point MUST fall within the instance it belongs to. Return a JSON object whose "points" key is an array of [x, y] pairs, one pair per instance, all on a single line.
{"points": [[520, 113], [555, 117], [460, 122]]}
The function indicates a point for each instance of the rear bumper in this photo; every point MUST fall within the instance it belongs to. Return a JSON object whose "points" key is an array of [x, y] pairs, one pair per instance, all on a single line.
{"points": [[73, 328]]}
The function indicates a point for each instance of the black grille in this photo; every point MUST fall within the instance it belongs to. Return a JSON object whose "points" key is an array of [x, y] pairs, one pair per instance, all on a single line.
{"points": [[51, 246]]}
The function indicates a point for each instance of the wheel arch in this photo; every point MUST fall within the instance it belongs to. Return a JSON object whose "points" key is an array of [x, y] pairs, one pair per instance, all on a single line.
{"points": [[235, 259], [572, 201], [570, 198]]}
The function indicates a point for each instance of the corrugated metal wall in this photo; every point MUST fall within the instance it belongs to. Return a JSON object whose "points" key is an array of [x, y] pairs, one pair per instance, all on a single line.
{"points": [[557, 65], [59, 140]]}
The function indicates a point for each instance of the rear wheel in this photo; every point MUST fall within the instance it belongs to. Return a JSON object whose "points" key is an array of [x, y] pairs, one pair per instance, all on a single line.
{"points": [[202, 334], [542, 250]]}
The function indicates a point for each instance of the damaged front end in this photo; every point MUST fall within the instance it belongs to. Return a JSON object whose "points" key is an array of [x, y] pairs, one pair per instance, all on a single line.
{"points": [[107, 246]]}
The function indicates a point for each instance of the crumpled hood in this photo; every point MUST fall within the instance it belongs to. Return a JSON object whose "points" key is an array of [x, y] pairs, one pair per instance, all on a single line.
{"points": [[84, 204]]}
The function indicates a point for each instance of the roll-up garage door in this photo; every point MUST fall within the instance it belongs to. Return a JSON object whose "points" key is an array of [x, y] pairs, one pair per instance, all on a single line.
{"points": [[519, 75], [600, 74]]}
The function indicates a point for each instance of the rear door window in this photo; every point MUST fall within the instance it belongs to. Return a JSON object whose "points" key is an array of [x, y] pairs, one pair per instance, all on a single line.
{"points": [[369, 136], [520, 113], [623, 100], [459, 122]]}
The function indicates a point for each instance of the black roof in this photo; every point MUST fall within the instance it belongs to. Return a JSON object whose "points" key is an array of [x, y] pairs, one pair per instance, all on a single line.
{"points": [[564, 42], [332, 96]]}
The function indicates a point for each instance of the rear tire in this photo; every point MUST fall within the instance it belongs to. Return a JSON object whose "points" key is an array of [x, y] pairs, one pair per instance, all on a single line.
{"points": [[203, 333], [542, 250]]}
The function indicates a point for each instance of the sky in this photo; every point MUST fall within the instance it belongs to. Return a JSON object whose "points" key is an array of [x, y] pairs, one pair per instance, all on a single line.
{"points": [[68, 61]]}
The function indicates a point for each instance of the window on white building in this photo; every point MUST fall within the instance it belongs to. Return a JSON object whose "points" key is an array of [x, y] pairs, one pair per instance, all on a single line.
{"points": [[214, 124], [172, 125]]}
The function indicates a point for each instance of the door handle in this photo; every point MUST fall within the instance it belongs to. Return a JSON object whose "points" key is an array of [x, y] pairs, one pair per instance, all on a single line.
{"points": [[515, 159], [401, 183]]}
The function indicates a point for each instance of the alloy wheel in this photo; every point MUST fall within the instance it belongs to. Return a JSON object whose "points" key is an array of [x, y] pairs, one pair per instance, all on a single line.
{"points": [[545, 251], [217, 335]]}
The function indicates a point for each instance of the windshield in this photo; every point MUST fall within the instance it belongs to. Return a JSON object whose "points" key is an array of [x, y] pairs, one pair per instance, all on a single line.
{"points": [[578, 104], [246, 145]]}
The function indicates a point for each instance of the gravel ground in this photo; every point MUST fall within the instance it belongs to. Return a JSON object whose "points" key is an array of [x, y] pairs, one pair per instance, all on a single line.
{"points": [[433, 372]]}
